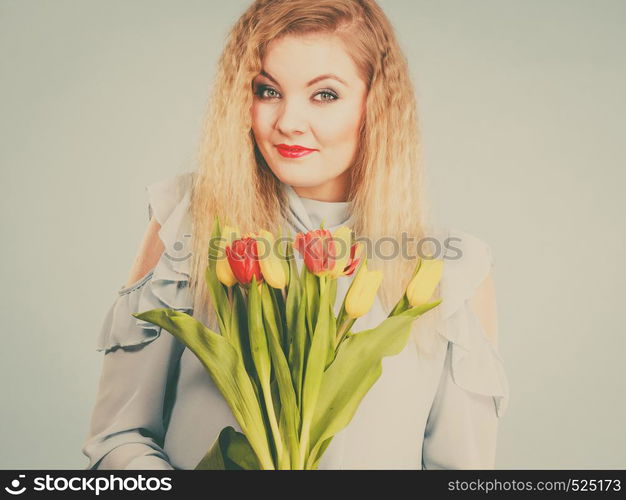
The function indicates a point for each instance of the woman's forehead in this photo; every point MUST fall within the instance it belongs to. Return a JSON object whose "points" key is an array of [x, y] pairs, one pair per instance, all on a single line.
{"points": [[304, 58]]}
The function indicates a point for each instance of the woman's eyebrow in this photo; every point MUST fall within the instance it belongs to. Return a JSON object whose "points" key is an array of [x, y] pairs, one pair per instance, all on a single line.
{"points": [[315, 80]]}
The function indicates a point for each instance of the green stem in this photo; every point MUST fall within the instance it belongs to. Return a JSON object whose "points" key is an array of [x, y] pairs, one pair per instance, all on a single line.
{"points": [[344, 329], [267, 395], [263, 455], [306, 422], [304, 442]]}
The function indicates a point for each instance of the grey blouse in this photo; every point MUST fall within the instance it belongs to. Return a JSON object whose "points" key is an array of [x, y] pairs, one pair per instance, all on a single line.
{"points": [[436, 405]]}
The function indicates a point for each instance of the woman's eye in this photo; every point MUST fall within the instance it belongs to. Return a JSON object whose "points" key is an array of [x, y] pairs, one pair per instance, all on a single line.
{"points": [[327, 96], [261, 92], [269, 93]]}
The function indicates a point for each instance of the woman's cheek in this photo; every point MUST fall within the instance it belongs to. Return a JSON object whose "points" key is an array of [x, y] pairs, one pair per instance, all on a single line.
{"points": [[261, 119], [324, 128], [335, 135]]}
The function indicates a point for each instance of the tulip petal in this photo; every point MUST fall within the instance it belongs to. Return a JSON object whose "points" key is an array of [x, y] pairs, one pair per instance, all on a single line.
{"points": [[269, 261], [362, 292], [422, 286], [343, 240], [317, 249]]}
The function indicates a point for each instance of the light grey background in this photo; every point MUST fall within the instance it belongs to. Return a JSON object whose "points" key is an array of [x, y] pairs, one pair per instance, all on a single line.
{"points": [[522, 108]]}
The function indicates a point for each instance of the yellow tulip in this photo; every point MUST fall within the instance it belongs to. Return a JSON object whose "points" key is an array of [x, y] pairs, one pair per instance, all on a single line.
{"points": [[272, 267], [222, 267], [342, 238], [362, 291], [422, 286]]}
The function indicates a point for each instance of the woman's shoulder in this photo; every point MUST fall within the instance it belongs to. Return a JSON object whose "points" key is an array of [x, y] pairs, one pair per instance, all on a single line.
{"points": [[168, 203], [166, 193], [166, 285], [468, 260], [467, 263], [476, 363]]}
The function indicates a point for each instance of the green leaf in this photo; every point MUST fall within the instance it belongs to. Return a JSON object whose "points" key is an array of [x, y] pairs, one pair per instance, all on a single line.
{"points": [[294, 293], [315, 364], [281, 322], [215, 287], [262, 361], [333, 294], [357, 366], [331, 326], [312, 297], [297, 351], [230, 451], [320, 452], [342, 316], [258, 341], [342, 333], [240, 453], [226, 368], [275, 401], [403, 304], [235, 324], [289, 407], [332, 283], [240, 319]]}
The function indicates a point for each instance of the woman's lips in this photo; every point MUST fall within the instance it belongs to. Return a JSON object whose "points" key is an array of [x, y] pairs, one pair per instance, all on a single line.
{"points": [[293, 151]]}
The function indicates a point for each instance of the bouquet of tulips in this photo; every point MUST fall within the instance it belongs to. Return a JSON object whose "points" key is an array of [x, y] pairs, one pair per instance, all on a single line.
{"points": [[292, 372]]}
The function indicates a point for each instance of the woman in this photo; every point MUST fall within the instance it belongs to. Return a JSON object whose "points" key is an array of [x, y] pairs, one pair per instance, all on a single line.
{"points": [[312, 119]]}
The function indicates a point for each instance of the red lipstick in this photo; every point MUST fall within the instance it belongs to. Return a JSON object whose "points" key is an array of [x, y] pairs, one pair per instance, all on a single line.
{"points": [[293, 151]]}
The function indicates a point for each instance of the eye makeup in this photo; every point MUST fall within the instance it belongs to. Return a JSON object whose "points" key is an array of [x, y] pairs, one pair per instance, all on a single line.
{"points": [[259, 90]]}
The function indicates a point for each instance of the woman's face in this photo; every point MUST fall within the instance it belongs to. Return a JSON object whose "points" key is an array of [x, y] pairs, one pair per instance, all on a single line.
{"points": [[309, 94]]}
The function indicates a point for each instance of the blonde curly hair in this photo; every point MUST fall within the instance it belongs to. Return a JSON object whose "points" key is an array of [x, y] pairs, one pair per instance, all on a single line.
{"points": [[387, 186]]}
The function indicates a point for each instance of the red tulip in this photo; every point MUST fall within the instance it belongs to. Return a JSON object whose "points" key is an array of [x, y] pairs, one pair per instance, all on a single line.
{"points": [[243, 258], [318, 249]]}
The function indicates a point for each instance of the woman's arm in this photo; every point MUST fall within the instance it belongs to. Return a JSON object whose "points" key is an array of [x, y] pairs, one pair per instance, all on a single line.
{"points": [[483, 303], [462, 426], [149, 253], [127, 427]]}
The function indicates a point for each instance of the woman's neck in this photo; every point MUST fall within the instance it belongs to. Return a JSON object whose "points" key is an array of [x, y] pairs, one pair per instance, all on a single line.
{"points": [[335, 190]]}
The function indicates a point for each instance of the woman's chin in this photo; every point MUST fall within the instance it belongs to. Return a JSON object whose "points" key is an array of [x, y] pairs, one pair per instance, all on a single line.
{"points": [[298, 179]]}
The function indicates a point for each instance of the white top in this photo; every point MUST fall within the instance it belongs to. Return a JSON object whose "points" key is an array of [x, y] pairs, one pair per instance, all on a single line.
{"points": [[436, 405]]}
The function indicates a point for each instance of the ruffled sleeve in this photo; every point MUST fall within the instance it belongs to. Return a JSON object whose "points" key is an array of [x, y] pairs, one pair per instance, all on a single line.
{"points": [[128, 422], [167, 284], [473, 390]]}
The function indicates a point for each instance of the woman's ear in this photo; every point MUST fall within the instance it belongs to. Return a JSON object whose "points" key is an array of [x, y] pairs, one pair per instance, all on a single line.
{"points": [[483, 303]]}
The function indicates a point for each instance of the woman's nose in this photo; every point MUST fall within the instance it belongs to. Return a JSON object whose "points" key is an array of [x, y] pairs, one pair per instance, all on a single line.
{"points": [[291, 118]]}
